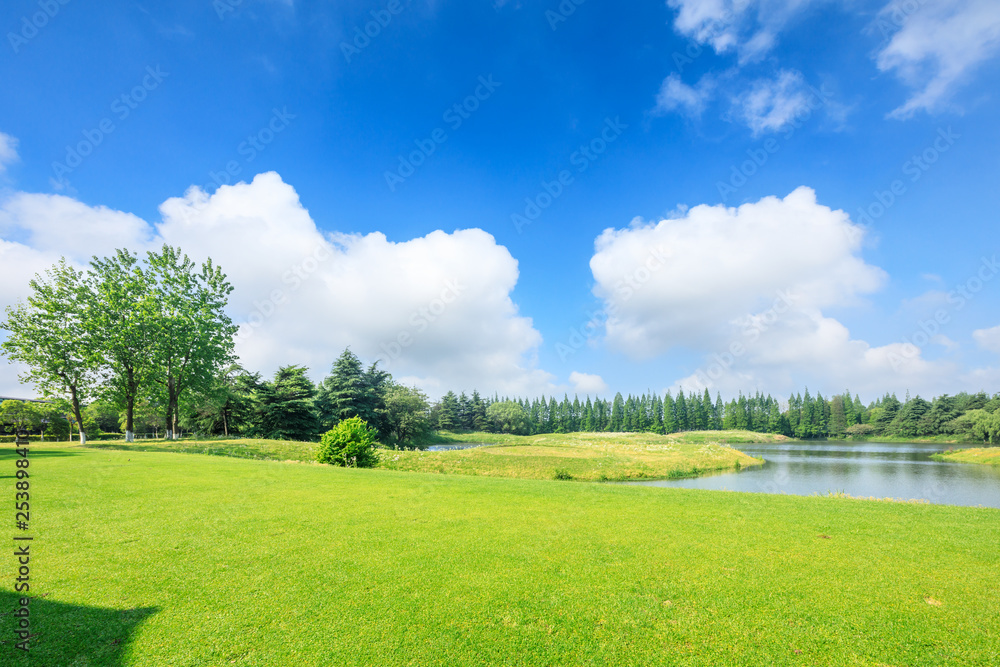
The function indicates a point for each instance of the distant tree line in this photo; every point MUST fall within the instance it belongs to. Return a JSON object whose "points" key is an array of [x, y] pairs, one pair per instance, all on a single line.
{"points": [[802, 416], [291, 407], [145, 345]]}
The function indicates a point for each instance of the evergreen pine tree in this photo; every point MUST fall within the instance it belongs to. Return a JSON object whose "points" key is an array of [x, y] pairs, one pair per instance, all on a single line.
{"points": [[287, 407], [669, 414], [478, 409], [681, 411], [617, 414], [448, 415]]}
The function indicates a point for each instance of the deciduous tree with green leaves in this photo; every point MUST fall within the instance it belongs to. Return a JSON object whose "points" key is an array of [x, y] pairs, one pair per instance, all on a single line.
{"points": [[192, 337], [122, 326], [508, 417], [19, 414], [48, 335], [406, 414]]}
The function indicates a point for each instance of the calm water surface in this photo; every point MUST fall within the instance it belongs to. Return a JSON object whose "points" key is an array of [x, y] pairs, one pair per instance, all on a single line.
{"points": [[457, 445], [876, 469]]}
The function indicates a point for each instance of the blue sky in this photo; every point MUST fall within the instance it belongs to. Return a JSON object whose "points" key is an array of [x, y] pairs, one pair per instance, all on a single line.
{"points": [[726, 136]]}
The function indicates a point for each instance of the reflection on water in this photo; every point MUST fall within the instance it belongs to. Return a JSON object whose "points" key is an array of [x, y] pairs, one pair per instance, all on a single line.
{"points": [[883, 470], [457, 445]]}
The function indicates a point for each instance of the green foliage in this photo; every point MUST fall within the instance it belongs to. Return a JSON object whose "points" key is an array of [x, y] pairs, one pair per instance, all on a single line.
{"points": [[192, 337], [562, 473], [19, 414], [860, 430], [48, 335], [350, 391], [287, 409], [448, 417], [406, 414], [508, 417], [103, 415], [229, 406], [350, 443], [121, 325], [985, 426]]}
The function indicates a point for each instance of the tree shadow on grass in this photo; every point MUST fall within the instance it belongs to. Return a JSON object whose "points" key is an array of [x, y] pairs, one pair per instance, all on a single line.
{"points": [[8, 453], [66, 634], [11, 455]]}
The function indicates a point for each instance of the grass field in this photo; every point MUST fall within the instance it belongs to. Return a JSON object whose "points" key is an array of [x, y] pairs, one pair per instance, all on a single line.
{"points": [[154, 559], [986, 455], [240, 448], [585, 456]]}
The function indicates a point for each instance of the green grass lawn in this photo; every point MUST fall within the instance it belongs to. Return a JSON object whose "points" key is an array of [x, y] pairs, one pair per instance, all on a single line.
{"points": [[241, 448], [585, 456], [986, 455], [153, 559]]}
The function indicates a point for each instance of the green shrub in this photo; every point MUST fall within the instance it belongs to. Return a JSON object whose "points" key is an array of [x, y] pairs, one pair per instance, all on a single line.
{"points": [[562, 473], [350, 443]]}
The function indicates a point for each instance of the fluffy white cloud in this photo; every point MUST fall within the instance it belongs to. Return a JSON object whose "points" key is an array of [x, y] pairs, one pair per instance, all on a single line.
{"points": [[676, 95], [771, 104], [748, 27], [681, 280], [437, 309], [8, 151], [585, 383], [802, 347], [988, 339], [60, 225], [746, 287], [937, 45], [18, 265]]}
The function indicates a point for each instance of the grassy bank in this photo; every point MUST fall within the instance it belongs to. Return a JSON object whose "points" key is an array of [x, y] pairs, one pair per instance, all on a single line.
{"points": [[584, 456], [240, 448], [588, 456], [942, 439], [150, 559], [985, 455]]}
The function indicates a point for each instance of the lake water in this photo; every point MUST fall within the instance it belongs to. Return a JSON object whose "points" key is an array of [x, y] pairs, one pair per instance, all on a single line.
{"points": [[883, 470], [457, 445]]}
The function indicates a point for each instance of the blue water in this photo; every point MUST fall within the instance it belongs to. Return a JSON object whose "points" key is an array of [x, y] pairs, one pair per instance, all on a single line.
{"points": [[883, 470], [459, 445]]}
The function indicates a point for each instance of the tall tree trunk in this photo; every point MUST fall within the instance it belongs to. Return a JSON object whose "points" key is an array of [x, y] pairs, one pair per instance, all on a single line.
{"points": [[225, 424], [172, 419], [130, 405], [75, 398]]}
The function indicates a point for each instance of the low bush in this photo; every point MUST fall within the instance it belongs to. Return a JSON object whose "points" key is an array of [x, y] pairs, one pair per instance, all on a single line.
{"points": [[351, 443]]}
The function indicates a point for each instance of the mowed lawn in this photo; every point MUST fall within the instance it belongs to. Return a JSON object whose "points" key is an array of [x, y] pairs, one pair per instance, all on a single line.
{"points": [[986, 455], [161, 559], [582, 456], [585, 456]]}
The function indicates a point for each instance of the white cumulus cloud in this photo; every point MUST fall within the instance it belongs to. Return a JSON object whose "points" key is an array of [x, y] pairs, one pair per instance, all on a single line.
{"points": [[436, 309], [988, 339], [745, 287], [586, 383], [724, 263]]}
